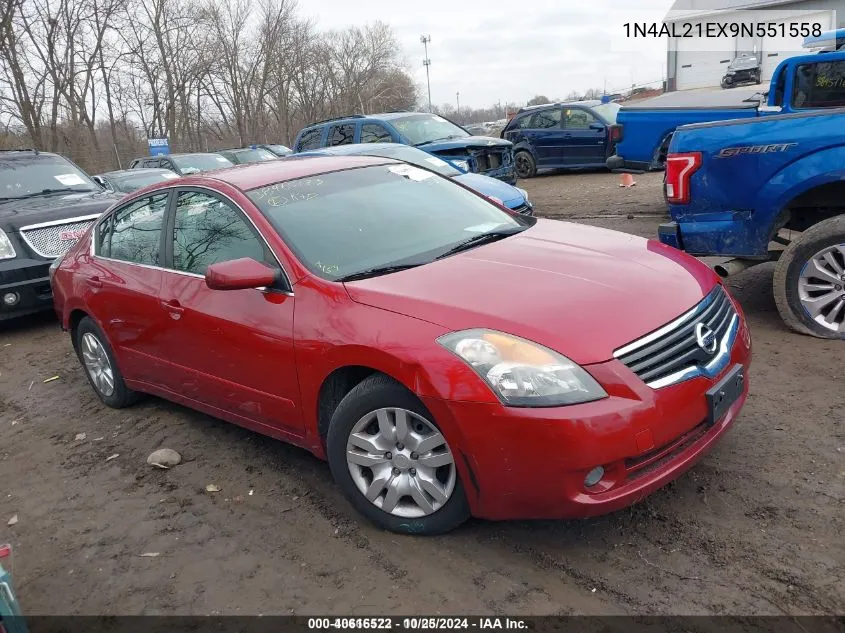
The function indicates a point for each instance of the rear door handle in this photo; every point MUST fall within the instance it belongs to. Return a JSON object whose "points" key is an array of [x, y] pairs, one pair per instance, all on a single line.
{"points": [[95, 282], [173, 306]]}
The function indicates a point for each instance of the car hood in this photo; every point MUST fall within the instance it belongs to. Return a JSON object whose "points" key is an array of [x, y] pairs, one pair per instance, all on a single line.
{"points": [[580, 290], [475, 142], [17, 213], [488, 186]]}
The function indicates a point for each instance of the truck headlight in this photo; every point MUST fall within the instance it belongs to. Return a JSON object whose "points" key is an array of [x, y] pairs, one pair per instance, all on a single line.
{"points": [[7, 251], [523, 192], [461, 164], [522, 373]]}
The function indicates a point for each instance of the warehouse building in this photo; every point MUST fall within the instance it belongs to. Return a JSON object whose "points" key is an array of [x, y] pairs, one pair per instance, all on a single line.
{"points": [[694, 64]]}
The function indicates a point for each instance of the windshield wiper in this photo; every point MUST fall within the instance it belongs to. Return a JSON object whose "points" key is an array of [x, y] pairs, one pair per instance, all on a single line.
{"points": [[45, 192], [435, 140], [376, 271], [482, 238]]}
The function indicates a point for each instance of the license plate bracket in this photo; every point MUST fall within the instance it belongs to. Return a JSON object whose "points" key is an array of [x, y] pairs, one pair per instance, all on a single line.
{"points": [[723, 394]]}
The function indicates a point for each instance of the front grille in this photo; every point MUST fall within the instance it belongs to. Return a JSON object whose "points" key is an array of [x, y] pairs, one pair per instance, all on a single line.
{"points": [[54, 239], [673, 351]]}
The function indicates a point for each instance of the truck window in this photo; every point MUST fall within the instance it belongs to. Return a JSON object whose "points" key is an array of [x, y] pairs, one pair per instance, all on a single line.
{"points": [[341, 134], [375, 133], [310, 139], [819, 85]]}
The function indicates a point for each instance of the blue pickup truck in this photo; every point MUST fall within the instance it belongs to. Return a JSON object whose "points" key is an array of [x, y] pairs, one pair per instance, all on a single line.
{"points": [[646, 128], [772, 188]]}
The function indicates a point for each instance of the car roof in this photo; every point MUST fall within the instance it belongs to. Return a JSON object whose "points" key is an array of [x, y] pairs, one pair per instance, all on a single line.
{"points": [[252, 175], [586, 102], [178, 155], [134, 172], [381, 116], [354, 149]]}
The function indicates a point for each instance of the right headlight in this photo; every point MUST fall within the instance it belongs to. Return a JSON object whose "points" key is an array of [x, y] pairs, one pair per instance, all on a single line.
{"points": [[522, 373], [7, 251]]}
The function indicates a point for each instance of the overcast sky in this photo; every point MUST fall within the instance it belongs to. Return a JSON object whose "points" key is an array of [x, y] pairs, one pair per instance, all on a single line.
{"points": [[492, 50]]}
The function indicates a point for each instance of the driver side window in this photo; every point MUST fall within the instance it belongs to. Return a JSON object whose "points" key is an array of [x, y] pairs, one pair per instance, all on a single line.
{"points": [[208, 230]]}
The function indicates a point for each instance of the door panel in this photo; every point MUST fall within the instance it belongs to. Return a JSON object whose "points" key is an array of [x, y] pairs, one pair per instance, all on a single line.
{"points": [[231, 349], [582, 145], [544, 134], [124, 286]]}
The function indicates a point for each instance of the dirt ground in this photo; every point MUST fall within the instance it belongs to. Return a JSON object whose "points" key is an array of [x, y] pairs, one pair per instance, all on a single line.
{"points": [[756, 528]]}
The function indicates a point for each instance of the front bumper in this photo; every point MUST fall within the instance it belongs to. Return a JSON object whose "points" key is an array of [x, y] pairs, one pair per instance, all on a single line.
{"points": [[29, 281], [530, 463]]}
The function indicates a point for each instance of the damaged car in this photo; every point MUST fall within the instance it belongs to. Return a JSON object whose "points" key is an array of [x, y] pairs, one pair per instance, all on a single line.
{"points": [[429, 132]]}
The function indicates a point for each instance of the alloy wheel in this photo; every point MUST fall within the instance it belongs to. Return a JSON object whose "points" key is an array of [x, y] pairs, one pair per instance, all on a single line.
{"points": [[401, 463], [97, 364], [523, 165], [821, 287]]}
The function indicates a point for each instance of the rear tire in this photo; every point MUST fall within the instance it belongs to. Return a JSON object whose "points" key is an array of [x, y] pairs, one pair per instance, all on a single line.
{"points": [[525, 165], [353, 418], [100, 366], [806, 274]]}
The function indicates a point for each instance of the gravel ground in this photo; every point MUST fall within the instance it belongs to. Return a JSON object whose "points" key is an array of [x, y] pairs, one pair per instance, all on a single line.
{"points": [[755, 528]]}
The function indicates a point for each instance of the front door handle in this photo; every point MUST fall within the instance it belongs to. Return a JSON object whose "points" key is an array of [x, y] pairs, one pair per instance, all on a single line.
{"points": [[173, 307]]}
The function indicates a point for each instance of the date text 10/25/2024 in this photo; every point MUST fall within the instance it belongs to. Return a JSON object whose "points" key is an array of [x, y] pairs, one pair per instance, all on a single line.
{"points": [[418, 623]]}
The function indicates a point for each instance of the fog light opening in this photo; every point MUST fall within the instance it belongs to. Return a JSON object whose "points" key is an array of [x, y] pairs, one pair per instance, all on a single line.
{"points": [[11, 299], [593, 477]]}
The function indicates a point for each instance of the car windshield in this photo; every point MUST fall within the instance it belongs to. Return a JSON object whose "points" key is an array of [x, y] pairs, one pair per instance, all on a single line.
{"points": [[415, 157], [254, 155], [25, 176], [608, 111], [279, 149], [193, 163], [346, 222], [425, 128], [132, 182]]}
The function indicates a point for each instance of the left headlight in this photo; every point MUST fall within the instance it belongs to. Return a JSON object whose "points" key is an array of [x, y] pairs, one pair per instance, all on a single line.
{"points": [[7, 250], [522, 373], [523, 192]]}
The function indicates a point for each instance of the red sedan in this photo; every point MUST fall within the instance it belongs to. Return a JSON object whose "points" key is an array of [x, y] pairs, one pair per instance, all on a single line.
{"points": [[446, 356]]}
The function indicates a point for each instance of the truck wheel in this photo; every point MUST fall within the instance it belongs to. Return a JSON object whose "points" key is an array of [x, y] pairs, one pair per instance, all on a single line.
{"points": [[809, 282], [525, 165]]}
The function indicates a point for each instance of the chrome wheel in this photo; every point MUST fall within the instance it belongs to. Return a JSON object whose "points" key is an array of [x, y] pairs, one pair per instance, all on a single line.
{"points": [[821, 287], [401, 463], [97, 364]]}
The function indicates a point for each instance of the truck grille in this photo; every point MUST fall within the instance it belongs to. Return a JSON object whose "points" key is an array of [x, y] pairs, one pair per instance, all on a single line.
{"points": [[53, 239], [673, 353]]}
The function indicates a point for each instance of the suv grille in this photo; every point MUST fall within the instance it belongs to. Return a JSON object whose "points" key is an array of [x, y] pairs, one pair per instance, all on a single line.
{"points": [[53, 239], [672, 353]]}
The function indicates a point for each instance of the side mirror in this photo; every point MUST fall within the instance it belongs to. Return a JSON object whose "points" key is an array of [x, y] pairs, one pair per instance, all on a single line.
{"points": [[596, 126], [239, 274]]}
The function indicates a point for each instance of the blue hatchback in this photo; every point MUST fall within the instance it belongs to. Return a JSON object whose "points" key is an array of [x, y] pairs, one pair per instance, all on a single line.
{"points": [[513, 198], [429, 132], [573, 135]]}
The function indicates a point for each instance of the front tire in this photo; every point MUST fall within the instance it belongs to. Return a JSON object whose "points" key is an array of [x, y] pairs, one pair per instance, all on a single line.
{"points": [[526, 166], [809, 281], [100, 366], [392, 462]]}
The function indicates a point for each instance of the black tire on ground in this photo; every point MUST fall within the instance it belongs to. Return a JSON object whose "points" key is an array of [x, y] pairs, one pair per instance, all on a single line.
{"points": [[377, 392], [788, 271], [122, 396], [526, 167]]}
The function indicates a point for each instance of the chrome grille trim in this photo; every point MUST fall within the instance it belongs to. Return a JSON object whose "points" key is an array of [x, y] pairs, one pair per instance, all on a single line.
{"points": [[670, 354], [44, 238]]}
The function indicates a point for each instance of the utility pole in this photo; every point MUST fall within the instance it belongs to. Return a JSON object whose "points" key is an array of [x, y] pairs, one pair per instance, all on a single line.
{"points": [[458, 97], [425, 39]]}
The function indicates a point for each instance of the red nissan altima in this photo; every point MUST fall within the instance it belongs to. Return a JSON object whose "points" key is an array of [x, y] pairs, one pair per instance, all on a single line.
{"points": [[445, 356]]}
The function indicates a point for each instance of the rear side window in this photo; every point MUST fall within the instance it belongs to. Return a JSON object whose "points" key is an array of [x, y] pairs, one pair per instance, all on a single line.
{"points": [[310, 139], [375, 133], [208, 230], [545, 119], [133, 233], [819, 85], [341, 134], [522, 123], [154, 162]]}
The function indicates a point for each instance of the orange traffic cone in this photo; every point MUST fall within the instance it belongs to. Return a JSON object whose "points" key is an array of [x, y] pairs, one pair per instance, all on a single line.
{"points": [[627, 180]]}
